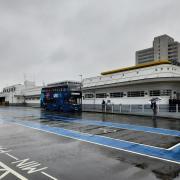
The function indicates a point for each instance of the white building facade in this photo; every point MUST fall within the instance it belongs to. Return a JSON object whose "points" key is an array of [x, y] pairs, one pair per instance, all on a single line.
{"points": [[134, 85], [21, 94]]}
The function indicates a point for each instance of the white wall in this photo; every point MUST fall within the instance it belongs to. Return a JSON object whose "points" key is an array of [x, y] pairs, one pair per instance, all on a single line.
{"points": [[126, 100], [175, 87], [157, 71], [28, 89]]}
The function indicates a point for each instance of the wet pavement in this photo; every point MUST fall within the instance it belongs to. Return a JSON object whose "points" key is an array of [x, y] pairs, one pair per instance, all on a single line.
{"points": [[33, 146]]}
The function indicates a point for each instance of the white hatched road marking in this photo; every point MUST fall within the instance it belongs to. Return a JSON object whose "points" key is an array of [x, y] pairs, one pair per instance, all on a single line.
{"points": [[10, 155], [31, 164], [49, 176], [8, 170], [176, 145], [150, 156]]}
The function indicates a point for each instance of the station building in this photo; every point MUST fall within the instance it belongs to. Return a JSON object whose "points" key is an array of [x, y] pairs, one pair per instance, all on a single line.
{"points": [[21, 94], [134, 85]]}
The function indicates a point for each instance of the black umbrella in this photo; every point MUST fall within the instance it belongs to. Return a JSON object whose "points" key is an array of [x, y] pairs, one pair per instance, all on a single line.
{"points": [[155, 99]]}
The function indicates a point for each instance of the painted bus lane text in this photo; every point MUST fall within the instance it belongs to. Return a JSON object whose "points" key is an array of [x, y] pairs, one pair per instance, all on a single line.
{"points": [[24, 165]]}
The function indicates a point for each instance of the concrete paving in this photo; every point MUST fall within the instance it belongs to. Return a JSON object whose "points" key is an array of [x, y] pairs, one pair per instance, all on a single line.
{"points": [[27, 153]]}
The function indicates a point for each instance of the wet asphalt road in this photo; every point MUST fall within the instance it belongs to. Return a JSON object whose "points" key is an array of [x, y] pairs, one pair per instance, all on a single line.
{"points": [[57, 157]]}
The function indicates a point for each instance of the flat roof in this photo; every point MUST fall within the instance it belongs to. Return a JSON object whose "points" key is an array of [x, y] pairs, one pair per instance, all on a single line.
{"points": [[134, 82], [61, 83], [143, 65]]}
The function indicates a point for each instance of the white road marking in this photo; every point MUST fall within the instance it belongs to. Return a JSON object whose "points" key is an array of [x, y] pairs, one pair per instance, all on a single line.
{"points": [[29, 166], [154, 157], [4, 150], [93, 135], [49, 176], [2, 169], [8, 170], [176, 145], [10, 155], [4, 174], [23, 165]]}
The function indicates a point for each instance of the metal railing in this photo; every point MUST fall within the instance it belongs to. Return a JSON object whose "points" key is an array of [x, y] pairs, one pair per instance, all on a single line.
{"points": [[131, 108]]}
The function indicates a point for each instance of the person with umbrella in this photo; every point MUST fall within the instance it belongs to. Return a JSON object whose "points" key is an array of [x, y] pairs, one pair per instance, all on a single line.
{"points": [[154, 107], [103, 105]]}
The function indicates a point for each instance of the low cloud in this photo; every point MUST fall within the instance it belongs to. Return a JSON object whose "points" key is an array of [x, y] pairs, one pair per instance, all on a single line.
{"points": [[60, 39]]}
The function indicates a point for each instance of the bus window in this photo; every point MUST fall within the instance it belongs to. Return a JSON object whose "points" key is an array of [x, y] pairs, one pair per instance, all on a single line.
{"points": [[78, 100], [72, 100]]}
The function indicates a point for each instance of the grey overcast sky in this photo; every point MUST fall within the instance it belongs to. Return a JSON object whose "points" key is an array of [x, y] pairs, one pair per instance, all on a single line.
{"points": [[55, 40]]}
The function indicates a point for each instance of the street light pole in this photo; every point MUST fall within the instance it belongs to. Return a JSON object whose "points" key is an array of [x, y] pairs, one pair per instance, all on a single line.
{"points": [[81, 81]]}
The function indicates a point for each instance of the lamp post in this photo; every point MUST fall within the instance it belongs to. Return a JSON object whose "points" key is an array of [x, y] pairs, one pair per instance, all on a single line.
{"points": [[81, 89], [12, 97], [81, 81]]}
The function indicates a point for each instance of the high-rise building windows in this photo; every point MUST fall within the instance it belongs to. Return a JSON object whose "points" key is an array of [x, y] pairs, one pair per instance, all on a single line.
{"points": [[163, 47]]}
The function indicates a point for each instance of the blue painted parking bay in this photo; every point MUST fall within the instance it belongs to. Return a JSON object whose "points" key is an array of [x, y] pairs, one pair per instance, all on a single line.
{"points": [[171, 155], [147, 129]]}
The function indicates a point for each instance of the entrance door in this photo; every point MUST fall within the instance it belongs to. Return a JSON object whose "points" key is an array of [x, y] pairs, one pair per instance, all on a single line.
{"points": [[2, 100]]}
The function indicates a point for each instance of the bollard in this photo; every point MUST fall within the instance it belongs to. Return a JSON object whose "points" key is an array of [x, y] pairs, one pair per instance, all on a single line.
{"points": [[130, 108], [158, 110], [177, 110], [143, 108], [120, 108]]}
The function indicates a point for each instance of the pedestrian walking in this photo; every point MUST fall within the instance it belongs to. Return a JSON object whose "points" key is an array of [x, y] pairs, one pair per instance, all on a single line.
{"points": [[103, 105], [154, 108]]}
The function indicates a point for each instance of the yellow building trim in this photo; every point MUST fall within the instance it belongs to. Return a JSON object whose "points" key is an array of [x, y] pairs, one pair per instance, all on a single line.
{"points": [[154, 63]]}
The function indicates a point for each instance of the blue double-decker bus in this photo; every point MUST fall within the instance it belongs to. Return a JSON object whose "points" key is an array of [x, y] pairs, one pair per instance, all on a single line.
{"points": [[63, 96]]}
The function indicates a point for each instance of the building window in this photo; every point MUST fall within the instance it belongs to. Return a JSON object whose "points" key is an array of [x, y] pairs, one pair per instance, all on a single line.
{"points": [[154, 93], [116, 94], [101, 95], [165, 92], [89, 96], [135, 94]]}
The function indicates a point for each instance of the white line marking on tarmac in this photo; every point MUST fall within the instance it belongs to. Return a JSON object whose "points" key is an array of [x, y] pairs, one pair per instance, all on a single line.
{"points": [[126, 141], [10, 155], [8, 170], [154, 157], [176, 145], [97, 135], [29, 166], [4, 174], [113, 126], [4, 151], [49, 176]]}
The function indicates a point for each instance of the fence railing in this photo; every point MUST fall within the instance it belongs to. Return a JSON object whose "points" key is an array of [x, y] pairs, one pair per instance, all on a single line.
{"points": [[130, 108]]}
